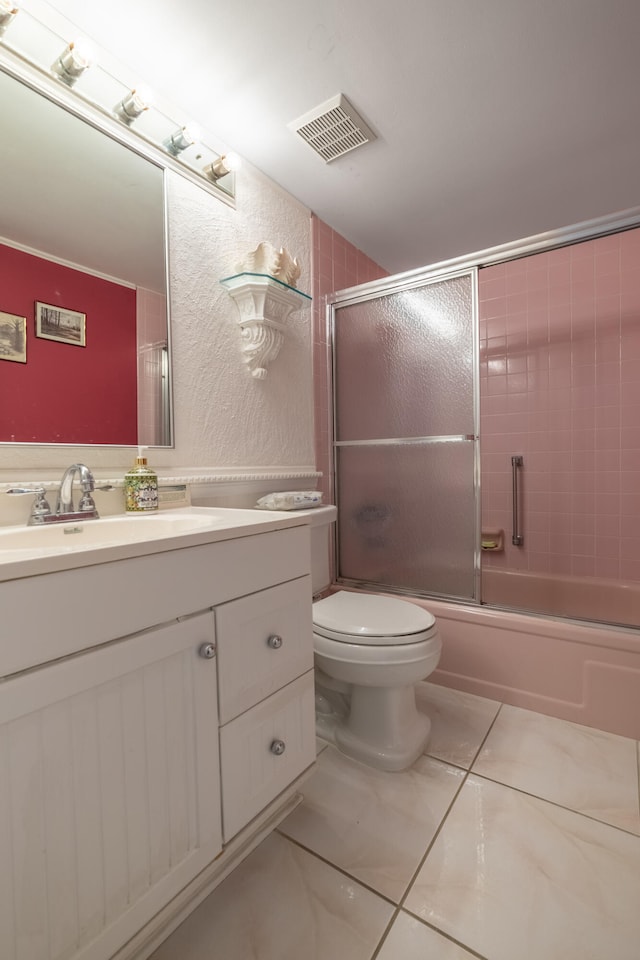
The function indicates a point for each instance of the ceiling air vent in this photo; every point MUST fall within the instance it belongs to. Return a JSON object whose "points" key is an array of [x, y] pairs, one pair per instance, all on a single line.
{"points": [[333, 129]]}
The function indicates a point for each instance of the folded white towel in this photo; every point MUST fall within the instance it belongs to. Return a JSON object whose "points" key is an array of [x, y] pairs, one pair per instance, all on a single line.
{"points": [[290, 500]]}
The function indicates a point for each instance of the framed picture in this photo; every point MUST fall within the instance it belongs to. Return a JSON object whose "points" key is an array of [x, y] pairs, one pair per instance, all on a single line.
{"points": [[58, 323], [13, 337]]}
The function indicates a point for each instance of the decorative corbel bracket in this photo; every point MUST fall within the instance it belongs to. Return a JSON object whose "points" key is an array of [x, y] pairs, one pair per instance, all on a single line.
{"points": [[264, 304]]}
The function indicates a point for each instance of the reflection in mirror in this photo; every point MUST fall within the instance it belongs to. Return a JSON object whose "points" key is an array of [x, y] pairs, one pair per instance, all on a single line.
{"points": [[82, 260]]}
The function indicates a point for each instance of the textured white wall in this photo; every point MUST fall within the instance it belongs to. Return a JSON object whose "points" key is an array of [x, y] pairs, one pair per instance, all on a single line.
{"points": [[223, 418]]}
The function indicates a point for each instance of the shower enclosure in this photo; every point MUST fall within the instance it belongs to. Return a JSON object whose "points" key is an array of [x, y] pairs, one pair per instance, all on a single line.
{"points": [[538, 356], [405, 437]]}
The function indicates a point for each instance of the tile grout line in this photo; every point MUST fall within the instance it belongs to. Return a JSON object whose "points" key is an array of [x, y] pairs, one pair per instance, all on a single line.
{"points": [[484, 739], [400, 905], [554, 803], [449, 937], [448, 811], [398, 910], [461, 766], [334, 866], [385, 933]]}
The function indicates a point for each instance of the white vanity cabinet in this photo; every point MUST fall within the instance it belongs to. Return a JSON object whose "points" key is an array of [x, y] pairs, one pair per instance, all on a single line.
{"points": [[159, 743]]}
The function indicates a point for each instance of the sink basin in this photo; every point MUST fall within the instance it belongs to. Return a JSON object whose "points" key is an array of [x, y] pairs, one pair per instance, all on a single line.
{"points": [[135, 534], [54, 537]]}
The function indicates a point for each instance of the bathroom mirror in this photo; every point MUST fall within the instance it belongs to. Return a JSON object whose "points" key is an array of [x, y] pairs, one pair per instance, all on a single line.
{"points": [[84, 335]]}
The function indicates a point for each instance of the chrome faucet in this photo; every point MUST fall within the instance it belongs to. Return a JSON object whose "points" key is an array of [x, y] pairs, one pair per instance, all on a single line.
{"points": [[64, 501], [65, 510]]}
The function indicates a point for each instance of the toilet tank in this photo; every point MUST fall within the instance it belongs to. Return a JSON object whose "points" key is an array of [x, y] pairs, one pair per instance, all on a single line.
{"points": [[321, 520]]}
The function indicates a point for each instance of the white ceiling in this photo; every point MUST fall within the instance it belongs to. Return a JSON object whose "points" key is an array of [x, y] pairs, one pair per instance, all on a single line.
{"points": [[496, 119]]}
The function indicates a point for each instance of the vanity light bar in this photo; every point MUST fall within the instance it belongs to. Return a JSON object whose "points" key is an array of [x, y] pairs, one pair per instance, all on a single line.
{"points": [[203, 166]]}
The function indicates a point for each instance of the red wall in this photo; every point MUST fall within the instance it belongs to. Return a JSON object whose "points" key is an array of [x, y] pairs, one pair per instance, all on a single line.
{"points": [[66, 393]]}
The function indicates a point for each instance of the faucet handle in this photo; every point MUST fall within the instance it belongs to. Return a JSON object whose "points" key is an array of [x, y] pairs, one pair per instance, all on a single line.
{"points": [[18, 491], [40, 507], [87, 504]]}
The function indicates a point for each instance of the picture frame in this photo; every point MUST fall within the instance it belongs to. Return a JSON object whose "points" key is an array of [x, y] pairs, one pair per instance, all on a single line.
{"points": [[61, 324], [13, 337]]}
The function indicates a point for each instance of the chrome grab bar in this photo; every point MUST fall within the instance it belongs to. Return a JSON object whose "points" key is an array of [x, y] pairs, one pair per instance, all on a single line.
{"points": [[516, 463], [517, 538]]}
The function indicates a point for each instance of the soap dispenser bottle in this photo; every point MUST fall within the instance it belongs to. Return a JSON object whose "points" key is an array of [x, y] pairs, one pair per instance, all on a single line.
{"points": [[141, 486]]}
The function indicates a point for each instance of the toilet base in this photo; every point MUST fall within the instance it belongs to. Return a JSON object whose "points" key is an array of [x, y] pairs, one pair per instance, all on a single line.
{"points": [[331, 710], [383, 727]]}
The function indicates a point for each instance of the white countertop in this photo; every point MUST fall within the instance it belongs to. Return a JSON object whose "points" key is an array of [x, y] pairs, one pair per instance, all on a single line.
{"points": [[20, 558]]}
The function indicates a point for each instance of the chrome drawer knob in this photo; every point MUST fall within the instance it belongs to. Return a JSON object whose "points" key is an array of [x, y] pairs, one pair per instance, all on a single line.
{"points": [[207, 650], [278, 747], [274, 641]]}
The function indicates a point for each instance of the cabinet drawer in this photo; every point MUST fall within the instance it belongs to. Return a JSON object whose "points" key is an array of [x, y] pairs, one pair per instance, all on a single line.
{"points": [[264, 641], [254, 771]]}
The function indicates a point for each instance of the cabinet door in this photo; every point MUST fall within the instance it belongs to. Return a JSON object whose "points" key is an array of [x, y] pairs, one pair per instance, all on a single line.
{"points": [[109, 791]]}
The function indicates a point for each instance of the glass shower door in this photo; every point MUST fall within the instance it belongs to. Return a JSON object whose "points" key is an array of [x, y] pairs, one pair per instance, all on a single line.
{"points": [[405, 409]]}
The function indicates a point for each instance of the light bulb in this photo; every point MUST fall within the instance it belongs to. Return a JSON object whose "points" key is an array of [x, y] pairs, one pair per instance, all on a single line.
{"points": [[222, 166], [134, 104], [73, 61], [182, 138], [8, 10]]}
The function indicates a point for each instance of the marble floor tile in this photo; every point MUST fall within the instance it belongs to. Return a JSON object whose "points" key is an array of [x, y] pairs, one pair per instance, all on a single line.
{"points": [[282, 903], [410, 939], [587, 770], [512, 876], [459, 722], [374, 825]]}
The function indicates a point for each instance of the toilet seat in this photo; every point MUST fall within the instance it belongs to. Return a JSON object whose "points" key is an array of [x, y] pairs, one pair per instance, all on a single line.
{"points": [[387, 655], [369, 620]]}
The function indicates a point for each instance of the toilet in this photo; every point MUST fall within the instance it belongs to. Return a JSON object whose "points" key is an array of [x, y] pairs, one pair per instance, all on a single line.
{"points": [[369, 653]]}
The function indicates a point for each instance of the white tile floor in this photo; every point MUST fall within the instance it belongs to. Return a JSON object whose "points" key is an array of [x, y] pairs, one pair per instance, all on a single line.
{"points": [[516, 838]]}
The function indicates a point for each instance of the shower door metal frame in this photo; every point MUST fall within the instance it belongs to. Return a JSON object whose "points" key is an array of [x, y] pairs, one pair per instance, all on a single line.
{"points": [[376, 291]]}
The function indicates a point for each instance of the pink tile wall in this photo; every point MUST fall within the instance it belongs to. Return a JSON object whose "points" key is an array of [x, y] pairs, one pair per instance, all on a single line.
{"points": [[336, 264], [560, 384]]}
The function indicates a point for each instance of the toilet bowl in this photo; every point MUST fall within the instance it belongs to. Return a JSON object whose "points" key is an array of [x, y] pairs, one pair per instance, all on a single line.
{"points": [[369, 653]]}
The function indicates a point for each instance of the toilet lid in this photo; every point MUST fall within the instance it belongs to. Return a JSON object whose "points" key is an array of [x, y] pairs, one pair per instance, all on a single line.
{"points": [[370, 619]]}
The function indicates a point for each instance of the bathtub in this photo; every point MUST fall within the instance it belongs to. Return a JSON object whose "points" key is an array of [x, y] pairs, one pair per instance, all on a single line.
{"points": [[586, 597], [587, 673]]}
